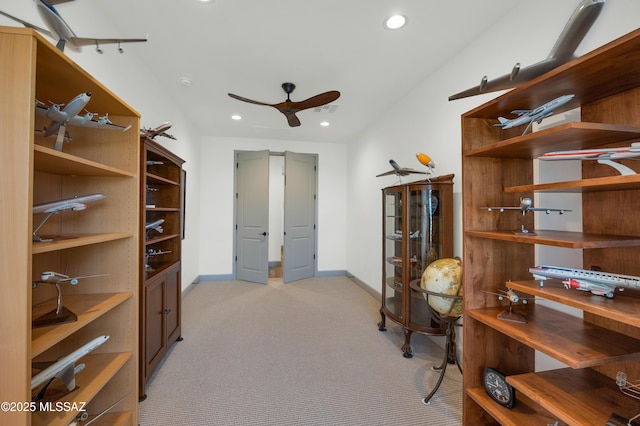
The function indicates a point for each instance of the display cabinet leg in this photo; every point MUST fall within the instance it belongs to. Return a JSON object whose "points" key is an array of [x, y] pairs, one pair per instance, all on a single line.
{"points": [[382, 324], [407, 352]]}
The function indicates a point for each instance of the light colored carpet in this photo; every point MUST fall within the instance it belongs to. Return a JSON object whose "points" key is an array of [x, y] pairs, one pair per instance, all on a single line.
{"points": [[301, 353]]}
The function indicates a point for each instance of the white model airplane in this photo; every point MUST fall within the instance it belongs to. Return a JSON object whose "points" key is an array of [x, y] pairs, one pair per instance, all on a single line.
{"points": [[160, 130], [531, 115], [60, 30], [64, 368], [51, 277], [597, 282], [74, 204], [61, 117], [155, 225], [563, 51], [525, 207], [399, 171], [601, 155]]}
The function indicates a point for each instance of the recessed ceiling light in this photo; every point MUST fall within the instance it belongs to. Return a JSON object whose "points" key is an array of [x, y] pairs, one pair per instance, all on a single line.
{"points": [[395, 22], [324, 123], [185, 81], [236, 117]]}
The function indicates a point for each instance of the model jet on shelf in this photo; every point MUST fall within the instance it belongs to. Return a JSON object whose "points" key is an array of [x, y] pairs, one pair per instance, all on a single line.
{"points": [[601, 155], [597, 282], [63, 369], [60, 30], [530, 115], [563, 51], [62, 117], [513, 298], [75, 204], [524, 208], [155, 225], [160, 130]]}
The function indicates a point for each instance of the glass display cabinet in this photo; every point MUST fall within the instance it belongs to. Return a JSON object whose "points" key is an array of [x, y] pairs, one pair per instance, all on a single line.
{"points": [[417, 228]]}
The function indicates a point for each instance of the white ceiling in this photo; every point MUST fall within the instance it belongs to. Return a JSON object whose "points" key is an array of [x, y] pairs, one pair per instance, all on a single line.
{"points": [[250, 47]]}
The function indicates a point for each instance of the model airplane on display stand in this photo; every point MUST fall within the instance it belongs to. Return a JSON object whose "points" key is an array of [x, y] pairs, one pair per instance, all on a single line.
{"points": [[74, 204], [62, 32], [597, 282], [528, 116], [513, 298], [61, 117], [525, 207], [563, 51], [601, 155], [160, 130]]}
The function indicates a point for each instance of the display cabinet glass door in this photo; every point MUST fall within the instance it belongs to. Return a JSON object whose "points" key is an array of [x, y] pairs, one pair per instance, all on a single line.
{"points": [[393, 252]]}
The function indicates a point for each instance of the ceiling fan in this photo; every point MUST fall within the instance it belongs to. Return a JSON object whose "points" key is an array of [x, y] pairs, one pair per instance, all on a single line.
{"points": [[289, 107]]}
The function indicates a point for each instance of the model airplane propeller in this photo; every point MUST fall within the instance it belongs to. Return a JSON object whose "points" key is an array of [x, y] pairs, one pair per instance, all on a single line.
{"points": [[289, 108]]}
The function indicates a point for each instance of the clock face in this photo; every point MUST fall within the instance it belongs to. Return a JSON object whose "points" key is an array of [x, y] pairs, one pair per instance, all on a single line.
{"points": [[498, 388]]}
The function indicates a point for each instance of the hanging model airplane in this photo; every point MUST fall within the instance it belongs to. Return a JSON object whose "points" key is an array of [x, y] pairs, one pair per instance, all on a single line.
{"points": [[524, 208], [64, 369], [531, 115], [601, 155], [597, 282], [75, 204], [400, 171], [563, 51], [61, 117], [60, 30], [160, 130]]}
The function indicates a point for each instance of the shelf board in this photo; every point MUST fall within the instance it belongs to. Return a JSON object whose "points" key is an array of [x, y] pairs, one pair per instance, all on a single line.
{"points": [[51, 161], [564, 239], [88, 307], [577, 397], [123, 418], [608, 183], [625, 307], [160, 239], [567, 136], [162, 209], [524, 413], [568, 339], [68, 241], [394, 283], [99, 369], [151, 178]]}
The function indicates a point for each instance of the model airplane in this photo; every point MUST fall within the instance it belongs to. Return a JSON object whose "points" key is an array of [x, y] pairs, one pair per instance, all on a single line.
{"points": [[160, 130], [400, 171], [61, 117], [524, 208], [60, 30], [601, 155], [425, 160], [64, 368], [563, 51], [597, 282], [531, 115], [75, 204], [155, 225], [513, 298]]}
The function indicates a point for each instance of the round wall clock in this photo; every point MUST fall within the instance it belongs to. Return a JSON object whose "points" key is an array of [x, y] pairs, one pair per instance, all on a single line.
{"points": [[497, 387]]}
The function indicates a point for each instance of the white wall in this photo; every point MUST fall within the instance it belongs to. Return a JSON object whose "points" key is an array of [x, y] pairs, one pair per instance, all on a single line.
{"points": [[217, 201], [426, 121]]}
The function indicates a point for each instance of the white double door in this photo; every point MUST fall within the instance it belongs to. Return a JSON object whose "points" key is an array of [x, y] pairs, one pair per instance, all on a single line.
{"points": [[252, 216]]}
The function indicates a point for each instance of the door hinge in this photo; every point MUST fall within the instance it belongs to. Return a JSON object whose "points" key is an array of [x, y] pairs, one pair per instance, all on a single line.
{"points": [[236, 258], [314, 226], [237, 165], [236, 195]]}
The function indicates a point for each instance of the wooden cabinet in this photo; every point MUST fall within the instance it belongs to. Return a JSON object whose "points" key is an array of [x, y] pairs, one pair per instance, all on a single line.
{"points": [[417, 228], [103, 239], [162, 211], [498, 168]]}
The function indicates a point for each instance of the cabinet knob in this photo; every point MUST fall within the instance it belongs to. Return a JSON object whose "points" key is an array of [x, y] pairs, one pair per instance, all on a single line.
{"points": [[167, 311]]}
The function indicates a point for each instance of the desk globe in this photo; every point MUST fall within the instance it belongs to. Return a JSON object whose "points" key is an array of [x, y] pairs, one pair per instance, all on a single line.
{"points": [[444, 276]]}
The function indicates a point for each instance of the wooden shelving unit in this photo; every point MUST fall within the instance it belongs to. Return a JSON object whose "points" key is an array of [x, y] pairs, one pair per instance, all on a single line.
{"points": [[497, 171], [101, 240]]}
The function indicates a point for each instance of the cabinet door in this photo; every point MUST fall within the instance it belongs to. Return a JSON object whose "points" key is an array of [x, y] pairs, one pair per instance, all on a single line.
{"points": [[172, 306], [155, 323], [393, 237]]}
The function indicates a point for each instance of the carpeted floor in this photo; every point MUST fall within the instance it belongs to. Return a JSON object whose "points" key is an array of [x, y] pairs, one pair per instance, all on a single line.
{"points": [[301, 353]]}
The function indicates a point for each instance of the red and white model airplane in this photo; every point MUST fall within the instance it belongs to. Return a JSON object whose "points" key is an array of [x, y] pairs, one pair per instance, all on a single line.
{"points": [[601, 155]]}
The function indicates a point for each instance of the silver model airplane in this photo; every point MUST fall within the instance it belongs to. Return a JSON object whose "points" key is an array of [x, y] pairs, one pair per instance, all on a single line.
{"points": [[64, 368], [531, 115], [160, 130], [601, 155], [60, 30], [597, 282], [513, 298], [399, 171], [61, 117], [75, 204], [563, 51], [156, 225], [524, 208]]}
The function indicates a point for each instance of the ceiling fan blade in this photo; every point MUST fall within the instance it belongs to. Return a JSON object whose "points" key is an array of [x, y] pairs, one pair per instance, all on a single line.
{"points": [[251, 101], [316, 101], [292, 119]]}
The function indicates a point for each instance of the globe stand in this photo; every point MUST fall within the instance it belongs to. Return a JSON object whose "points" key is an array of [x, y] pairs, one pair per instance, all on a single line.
{"points": [[448, 322]]}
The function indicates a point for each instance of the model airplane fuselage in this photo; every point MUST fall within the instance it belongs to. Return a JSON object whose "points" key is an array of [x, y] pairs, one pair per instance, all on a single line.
{"points": [[563, 51], [597, 282], [530, 115], [601, 155], [399, 171], [61, 31], [155, 225], [526, 206], [75, 203], [160, 130], [53, 277]]}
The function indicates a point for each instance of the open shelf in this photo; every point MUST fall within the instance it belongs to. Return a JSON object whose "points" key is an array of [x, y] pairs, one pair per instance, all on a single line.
{"points": [[77, 240], [51, 161], [609, 183], [566, 239]]}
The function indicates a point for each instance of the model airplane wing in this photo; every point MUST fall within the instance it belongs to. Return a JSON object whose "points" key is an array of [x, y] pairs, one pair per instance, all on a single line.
{"points": [[88, 41], [102, 124], [27, 24]]}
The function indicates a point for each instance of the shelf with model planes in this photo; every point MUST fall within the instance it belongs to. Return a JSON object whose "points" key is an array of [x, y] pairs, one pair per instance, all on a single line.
{"points": [[501, 382]]}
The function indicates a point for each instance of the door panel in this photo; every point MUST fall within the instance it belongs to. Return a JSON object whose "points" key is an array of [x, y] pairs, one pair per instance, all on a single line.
{"points": [[299, 216], [155, 339], [252, 216]]}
